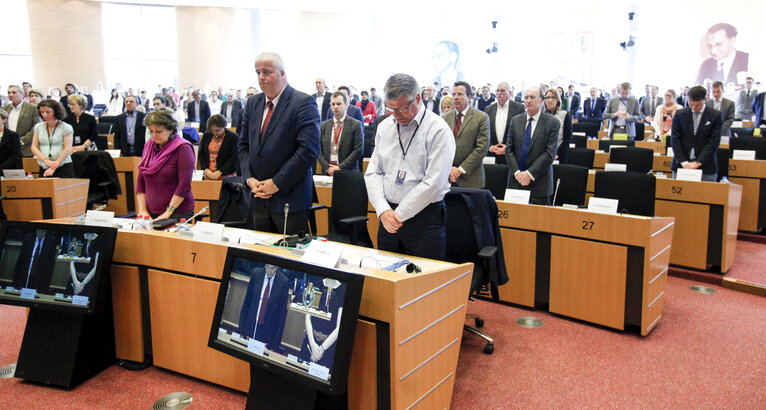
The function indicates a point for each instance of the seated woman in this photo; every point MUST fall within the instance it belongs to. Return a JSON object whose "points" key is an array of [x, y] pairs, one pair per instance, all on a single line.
{"points": [[83, 124], [10, 146], [663, 116], [217, 154], [52, 141], [163, 188], [368, 108]]}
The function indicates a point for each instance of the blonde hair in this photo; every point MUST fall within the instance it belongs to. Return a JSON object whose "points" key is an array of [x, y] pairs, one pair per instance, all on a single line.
{"points": [[77, 99]]}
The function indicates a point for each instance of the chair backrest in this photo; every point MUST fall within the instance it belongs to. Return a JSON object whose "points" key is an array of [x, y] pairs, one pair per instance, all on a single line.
{"points": [[582, 157], [461, 237], [636, 159], [349, 199], [234, 203], [635, 191], [88, 165], [579, 141], [640, 131], [574, 182], [742, 131], [496, 179], [757, 144], [604, 145], [723, 156], [590, 128], [104, 128]]}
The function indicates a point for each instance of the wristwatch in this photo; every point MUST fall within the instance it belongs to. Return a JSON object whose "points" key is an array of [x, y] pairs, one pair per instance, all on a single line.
{"points": [[171, 209]]}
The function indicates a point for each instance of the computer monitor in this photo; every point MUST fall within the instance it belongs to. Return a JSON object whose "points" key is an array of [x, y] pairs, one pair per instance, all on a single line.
{"points": [[294, 319], [55, 266]]}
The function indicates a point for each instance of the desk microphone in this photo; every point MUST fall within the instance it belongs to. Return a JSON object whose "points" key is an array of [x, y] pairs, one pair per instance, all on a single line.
{"points": [[198, 214], [284, 230], [556, 192]]}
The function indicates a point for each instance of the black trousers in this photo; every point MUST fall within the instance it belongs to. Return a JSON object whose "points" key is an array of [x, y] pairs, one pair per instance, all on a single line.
{"points": [[424, 235], [63, 171], [267, 221]]}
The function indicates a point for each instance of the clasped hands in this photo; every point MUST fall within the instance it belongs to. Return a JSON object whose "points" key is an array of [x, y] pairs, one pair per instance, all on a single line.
{"points": [[262, 189], [498, 149], [317, 351], [52, 165], [391, 220], [692, 165], [523, 178]]}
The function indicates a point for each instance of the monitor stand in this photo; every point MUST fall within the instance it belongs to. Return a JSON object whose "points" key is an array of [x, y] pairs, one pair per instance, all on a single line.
{"points": [[272, 391], [65, 348]]}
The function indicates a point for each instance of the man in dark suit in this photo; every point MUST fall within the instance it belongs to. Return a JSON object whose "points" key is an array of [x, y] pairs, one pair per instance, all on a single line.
{"points": [[471, 130], [265, 307], [649, 105], [342, 138], [759, 109], [34, 267], [745, 99], [531, 147], [683, 99], [696, 134], [353, 111], [594, 107], [198, 110], [232, 110], [130, 133], [500, 114], [22, 117], [323, 97], [726, 64], [574, 101], [724, 105], [431, 101], [69, 89], [278, 149]]}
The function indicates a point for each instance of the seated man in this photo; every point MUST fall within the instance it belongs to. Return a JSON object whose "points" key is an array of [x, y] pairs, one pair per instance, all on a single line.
{"points": [[342, 138]]}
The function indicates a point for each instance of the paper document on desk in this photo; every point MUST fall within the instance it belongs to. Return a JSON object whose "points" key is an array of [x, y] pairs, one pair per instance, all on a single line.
{"points": [[252, 238]]}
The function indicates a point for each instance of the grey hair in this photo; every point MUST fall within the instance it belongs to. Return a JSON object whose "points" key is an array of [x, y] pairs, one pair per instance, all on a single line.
{"points": [[505, 84], [274, 58], [401, 84], [3, 114], [18, 89]]}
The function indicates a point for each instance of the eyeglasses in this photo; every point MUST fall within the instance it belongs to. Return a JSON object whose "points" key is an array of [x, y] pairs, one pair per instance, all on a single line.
{"points": [[400, 109], [501, 90], [550, 98]]}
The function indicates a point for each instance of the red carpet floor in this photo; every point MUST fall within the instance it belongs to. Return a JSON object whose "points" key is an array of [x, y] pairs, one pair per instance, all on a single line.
{"points": [[746, 262]]}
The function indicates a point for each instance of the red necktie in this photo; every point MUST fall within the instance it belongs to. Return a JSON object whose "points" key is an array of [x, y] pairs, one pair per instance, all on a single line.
{"points": [[458, 123], [338, 130], [264, 301], [269, 111]]}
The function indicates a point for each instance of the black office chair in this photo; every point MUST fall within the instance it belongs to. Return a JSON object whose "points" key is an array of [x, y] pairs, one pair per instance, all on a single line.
{"points": [[573, 183], [348, 213], [723, 155], [3, 216], [579, 141], [98, 167], [369, 142], [462, 247], [757, 144], [604, 145], [496, 179], [590, 128], [640, 130], [234, 204], [104, 127], [635, 159], [582, 157], [635, 191], [742, 131]]}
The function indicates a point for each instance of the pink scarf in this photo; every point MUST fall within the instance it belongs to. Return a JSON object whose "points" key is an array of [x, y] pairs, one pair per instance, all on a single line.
{"points": [[155, 158]]}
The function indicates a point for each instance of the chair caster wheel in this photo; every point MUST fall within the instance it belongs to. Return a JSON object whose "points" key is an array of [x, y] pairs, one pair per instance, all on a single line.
{"points": [[489, 349], [479, 322]]}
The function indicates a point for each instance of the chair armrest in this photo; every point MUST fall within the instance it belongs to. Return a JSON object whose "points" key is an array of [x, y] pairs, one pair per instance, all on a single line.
{"points": [[354, 220], [487, 252], [317, 207]]}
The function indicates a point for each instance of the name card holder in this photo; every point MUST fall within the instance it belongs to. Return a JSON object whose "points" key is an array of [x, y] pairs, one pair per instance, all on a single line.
{"points": [[99, 218], [517, 196], [689, 174], [208, 232], [609, 166], [603, 205], [743, 154]]}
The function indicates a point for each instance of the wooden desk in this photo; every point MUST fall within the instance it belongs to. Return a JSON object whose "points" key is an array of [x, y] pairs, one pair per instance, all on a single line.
{"points": [[206, 193], [751, 174], [658, 147], [127, 173], [44, 198], [31, 166], [707, 216], [604, 269], [418, 317]]}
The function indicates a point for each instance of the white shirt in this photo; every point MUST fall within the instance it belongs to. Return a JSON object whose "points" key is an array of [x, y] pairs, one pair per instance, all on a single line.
{"points": [[101, 97], [215, 107], [335, 124], [727, 63], [426, 166], [501, 118], [320, 101], [535, 120], [13, 117], [275, 101]]}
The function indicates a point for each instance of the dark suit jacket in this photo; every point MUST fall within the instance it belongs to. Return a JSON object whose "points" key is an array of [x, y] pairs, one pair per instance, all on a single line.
{"points": [[42, 271], [64, 100], [353, 112], [270, 331], [228, 159], [757, 107], [681, 102], [25, 127], [705, 142], [436, 106], [288, 151], [350, 147], [514, 109], [727, 110], [204, 113], [709, 69], [236, 114], [598, 112], [574, 104], [10, 151], [646, 109], [542, 150], [121, 134], [325, 108]]}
